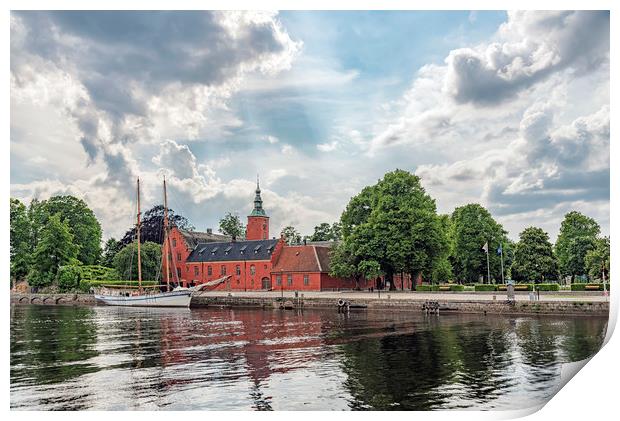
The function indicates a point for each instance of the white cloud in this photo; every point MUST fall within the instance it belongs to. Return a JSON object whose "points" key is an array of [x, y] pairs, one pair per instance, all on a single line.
{"points": [[327, 147]]}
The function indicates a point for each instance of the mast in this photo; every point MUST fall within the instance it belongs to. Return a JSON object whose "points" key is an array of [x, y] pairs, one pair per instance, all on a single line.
{"points": [[138, 234], [166, 245]]}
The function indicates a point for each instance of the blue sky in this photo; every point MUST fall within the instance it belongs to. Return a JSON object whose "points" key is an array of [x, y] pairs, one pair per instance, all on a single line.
{"points": [[510, 110]]}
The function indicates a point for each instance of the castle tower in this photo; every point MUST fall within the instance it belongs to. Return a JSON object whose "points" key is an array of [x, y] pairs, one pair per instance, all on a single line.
{"points": [[258, 221]]}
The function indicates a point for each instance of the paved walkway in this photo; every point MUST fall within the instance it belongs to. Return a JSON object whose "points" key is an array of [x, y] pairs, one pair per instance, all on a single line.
{"points": [[406, 295]]}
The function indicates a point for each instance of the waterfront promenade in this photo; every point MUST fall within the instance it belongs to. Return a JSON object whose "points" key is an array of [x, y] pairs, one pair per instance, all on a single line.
{"points": [[572, 296]]}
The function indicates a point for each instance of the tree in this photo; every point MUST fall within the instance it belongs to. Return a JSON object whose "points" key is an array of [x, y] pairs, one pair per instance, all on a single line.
{"points": [[394, 224], [472, 227], [597, 260], [81, 220], [344, 263], [534, 259], [578, 234], [232, 226], [291, 235], [126, 261], [20, 240], [326, 232], [111, 247], [152, 226], [56, 248]]}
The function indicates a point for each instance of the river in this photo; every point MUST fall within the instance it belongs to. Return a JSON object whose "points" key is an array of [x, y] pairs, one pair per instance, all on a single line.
{"points": [[114, 358]]}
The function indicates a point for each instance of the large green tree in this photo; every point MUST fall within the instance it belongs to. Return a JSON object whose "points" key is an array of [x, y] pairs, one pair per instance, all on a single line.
{"points": [[578, 234], [20, 240], [472, 227], [534, 258], [80, 219], [597, 260], [56, 247], [231, 225], [393, 228], [126, 261]]}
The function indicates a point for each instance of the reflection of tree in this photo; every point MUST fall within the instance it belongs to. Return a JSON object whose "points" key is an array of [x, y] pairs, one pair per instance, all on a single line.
{"points": [[52, 344], [582, 340]]}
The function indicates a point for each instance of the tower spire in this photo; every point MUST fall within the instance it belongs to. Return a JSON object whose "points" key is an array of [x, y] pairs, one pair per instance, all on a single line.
{"points": [[258, 201]]}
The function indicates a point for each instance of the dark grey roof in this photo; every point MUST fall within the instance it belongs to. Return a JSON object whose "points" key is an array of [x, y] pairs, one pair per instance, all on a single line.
{"points": [[238, 250], [193, 238]]}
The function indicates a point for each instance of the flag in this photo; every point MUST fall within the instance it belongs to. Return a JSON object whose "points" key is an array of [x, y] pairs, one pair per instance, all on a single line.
{"points": [[486, 247], [499, 249]]}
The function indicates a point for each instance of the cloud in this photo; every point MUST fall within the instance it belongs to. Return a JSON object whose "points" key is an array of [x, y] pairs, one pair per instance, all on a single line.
{"points": [[327, 147]]}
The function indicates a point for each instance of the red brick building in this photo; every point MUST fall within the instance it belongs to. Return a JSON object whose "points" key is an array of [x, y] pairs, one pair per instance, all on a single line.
{"points": [[256, 263]]}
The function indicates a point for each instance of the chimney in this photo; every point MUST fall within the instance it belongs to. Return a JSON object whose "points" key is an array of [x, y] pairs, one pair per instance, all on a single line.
{"points": [[304, 241], [209, 230]]}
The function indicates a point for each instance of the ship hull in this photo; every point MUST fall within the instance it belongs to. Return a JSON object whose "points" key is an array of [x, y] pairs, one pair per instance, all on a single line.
{"points": [[164, 299]]}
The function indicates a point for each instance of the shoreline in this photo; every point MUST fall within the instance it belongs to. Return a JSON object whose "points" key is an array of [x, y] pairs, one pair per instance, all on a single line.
{"points": [[440, 302]]}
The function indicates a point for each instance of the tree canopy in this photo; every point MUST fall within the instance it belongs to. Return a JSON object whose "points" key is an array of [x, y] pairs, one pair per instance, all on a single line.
{"points": [[472, 227], [291, 235], [20, 249], [56, 247], [152, 226], [126, 261], [578, 234], [111, 247], [597, 259], [534, 258], [231, 225], [326, 232], [80, 219], [391, 227]]}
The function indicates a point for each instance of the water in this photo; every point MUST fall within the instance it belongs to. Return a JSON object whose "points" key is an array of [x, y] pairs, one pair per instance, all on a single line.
{"points": [[111, 358]]}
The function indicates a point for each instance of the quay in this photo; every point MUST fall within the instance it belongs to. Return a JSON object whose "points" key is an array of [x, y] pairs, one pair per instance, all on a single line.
{"points": [[557, 303]]}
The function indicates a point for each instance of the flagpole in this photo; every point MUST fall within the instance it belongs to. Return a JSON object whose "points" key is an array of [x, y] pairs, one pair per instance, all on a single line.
{"points": [[488, 267]]}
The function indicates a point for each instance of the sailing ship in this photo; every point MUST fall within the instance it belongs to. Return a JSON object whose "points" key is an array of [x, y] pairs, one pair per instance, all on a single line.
{"points": [[145, 297]]}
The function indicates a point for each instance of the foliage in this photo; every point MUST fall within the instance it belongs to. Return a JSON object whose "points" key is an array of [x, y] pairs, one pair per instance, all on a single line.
{"points": [[326, 232], [534, 259], [111, 247], [126, 261], [597, 260], [231, 225], [576, 238], [20, 250], [81, 221], [547, 287], [56, 248], [589, 287], [393, 226], [152, 226], [472, 227], [442, 271], [441, 287], [485, 287], [68, 277], [291, 235]]}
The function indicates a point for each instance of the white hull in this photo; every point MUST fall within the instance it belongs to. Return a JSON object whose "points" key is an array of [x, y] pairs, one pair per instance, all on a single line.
{"points": [[164, 299]]}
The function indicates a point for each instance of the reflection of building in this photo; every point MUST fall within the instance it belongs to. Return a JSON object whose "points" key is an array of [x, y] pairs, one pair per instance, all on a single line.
{"points": [[256, 263]]}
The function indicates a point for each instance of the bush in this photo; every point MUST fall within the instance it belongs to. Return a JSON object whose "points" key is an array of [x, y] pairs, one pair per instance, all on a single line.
{"points": [[427, 288], [457, 287], [547, 287], [588, 287], [485, 287], [68, 278], [442, 287]]}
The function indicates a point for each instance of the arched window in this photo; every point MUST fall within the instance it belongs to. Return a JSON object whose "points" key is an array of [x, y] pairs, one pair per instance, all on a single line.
{"points": [[238, 270], [252, 270], [223, 270]]}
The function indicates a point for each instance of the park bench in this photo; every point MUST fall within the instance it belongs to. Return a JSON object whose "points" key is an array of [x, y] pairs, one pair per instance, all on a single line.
{"points": [[444, 288], [593, 287]]}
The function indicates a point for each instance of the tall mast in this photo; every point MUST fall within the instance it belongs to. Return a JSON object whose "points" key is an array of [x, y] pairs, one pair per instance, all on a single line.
{"points": [[166, 246], [138, 234]]}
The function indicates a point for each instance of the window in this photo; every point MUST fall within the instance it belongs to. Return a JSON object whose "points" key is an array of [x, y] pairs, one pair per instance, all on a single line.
{"points": [[196, 271], [223, 270], [174, 242], [179, 256], [264, 266], [306, 279], [238, 270], [289, 280], [209, 271], [278, 280], [252, 270], [178, 272]]}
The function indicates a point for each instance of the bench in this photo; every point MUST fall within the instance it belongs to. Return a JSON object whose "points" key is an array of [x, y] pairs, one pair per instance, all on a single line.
{"points": [[593, 287], [444, 288]]}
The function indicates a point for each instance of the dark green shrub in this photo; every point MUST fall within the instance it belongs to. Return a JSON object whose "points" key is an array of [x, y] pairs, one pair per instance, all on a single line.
{"points": [[547, 287], [68, 278], [426, 288], [457, 287], [588, 287], [485, 287]]}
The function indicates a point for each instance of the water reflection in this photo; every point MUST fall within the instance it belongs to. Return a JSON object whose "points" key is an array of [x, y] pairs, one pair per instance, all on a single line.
{"points": [[122, 358]]}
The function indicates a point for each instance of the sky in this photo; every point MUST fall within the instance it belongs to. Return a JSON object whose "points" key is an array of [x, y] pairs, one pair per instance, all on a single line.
{"points": [[506, 109]]}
